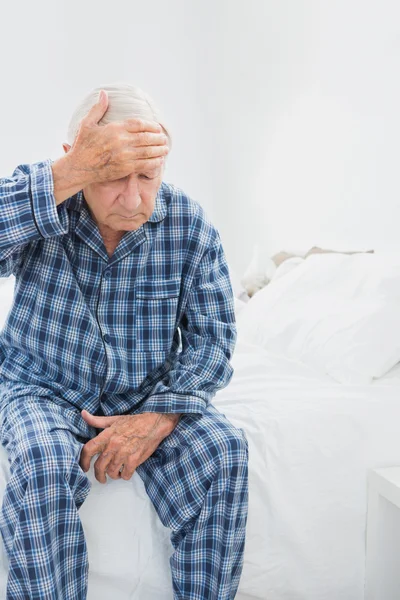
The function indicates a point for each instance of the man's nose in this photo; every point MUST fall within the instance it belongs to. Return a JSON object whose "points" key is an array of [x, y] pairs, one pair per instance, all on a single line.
{"points": [[131, 193]]}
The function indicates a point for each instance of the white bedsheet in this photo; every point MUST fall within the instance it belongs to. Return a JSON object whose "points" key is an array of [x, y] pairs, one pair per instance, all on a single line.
{"points": [[311, 441]]}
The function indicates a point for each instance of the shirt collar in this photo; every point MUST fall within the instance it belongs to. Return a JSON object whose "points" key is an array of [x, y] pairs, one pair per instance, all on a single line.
{"points": [[159, 213]]}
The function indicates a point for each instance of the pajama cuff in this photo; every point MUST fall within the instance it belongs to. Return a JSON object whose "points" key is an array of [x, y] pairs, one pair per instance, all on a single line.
{"points": [[44, 206], [169, 403]]}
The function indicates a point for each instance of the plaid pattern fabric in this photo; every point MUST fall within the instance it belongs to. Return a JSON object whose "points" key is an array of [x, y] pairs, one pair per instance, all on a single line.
{"points": [[151, 329], [197, 480]]}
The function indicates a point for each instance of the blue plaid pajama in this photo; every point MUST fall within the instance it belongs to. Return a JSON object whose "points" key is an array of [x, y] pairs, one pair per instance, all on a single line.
{"points": [[149, 329], [197, 480]]}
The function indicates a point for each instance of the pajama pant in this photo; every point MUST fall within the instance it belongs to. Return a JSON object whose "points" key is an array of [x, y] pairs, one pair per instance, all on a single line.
{"points": [[197, 480]]}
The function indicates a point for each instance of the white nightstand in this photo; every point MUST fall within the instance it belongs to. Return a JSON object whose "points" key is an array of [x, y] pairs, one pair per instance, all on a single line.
{"points": [[382, 576]]}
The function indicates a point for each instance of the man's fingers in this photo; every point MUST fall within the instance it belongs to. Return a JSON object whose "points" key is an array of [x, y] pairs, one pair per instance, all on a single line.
{"points": [[96, 113], [90, 449], [147, 153], [146, 138], [137, 125], [97, 421], [114, 466], [101, 464], [144, 164], [130, 465]]}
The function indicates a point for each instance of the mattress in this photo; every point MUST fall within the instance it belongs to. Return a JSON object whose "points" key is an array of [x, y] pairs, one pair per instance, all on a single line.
{"points": [[311, 443]]}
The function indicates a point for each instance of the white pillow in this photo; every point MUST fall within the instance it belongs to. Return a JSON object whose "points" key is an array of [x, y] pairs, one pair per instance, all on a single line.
{"points": [[286, 266], [259, 272], [239, 305], [238, 289], [338, 313]]}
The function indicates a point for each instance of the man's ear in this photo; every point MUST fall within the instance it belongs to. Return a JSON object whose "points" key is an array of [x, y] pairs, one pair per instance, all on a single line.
{"points": [[66, 147]]}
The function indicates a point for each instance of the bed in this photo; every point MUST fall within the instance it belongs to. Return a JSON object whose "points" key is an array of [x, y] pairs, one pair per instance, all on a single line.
{"points": [[311, 438]]}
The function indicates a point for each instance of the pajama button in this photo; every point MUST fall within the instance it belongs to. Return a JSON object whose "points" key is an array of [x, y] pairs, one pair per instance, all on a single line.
{"points": [[106, 338], [107, 274]]}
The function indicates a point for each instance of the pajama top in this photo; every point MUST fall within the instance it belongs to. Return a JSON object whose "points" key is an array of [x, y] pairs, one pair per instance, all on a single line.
{"points": [[151, 329]]}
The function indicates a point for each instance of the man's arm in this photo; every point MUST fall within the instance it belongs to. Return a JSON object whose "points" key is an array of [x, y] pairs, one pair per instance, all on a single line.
{"points": [[27, 212], [29, 199], [208, 331]]}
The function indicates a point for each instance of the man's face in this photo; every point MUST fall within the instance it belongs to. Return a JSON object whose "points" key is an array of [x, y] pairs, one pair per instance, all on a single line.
{"points": [[124, 204]]}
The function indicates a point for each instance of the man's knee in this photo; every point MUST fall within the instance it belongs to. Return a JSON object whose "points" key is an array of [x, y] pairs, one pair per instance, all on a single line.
{"points": [[216, 437], [233, 449], [48, 454]]}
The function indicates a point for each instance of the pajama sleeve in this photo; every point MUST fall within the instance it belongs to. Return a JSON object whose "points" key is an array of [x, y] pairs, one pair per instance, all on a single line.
{"points": [[208, 337], [28, 212]]}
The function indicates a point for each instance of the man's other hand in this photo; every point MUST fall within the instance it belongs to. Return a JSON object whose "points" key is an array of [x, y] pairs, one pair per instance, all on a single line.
{"points": [[125, 440]]}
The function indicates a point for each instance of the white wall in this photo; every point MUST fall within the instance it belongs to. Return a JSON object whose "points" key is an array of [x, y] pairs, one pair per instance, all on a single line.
{"points": [[313, 91], [54, 51], [285, 113]]}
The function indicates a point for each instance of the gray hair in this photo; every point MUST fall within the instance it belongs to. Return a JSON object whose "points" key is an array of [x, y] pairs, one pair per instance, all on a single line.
{"points": [[125, 101]]}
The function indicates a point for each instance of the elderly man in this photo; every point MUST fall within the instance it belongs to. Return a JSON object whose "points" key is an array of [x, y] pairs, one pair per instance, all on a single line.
{"points": [[120, 334]]}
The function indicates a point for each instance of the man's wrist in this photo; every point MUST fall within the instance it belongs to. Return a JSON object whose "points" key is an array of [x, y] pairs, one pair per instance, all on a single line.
{"points": [[168, 422], [172, 417], [67, 179]]}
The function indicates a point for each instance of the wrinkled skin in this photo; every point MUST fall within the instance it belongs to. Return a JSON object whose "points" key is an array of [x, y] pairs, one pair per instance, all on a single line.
{"points": [[110, 152], [126, 440]]}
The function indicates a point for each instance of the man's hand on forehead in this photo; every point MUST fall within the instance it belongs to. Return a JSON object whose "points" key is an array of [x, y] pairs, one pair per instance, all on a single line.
{"points": [[108, 152]]}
